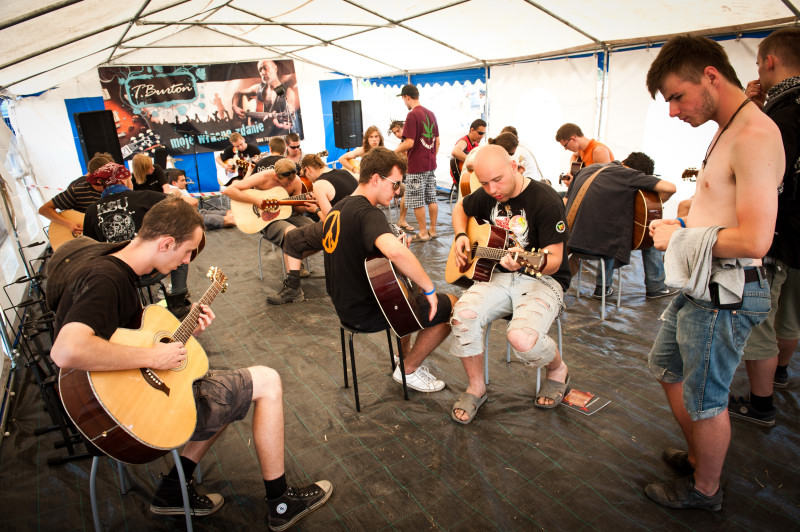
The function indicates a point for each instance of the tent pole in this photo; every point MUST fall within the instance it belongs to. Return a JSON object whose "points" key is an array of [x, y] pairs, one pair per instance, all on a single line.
{"points": [[603, 87]]}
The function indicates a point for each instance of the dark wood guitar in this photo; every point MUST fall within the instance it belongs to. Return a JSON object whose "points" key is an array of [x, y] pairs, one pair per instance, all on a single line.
{"points": [[488, 245], [137, 415], [690, 174], [646, 208], [395, 294]]}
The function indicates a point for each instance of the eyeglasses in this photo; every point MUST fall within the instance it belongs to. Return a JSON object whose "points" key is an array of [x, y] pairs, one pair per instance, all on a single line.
{"points": [[481, 133], [294, 147], [395, 184], [290, 173]]}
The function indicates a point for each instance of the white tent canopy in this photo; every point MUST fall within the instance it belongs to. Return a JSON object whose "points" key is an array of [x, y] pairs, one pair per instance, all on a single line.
{"points": [[43, 44]]}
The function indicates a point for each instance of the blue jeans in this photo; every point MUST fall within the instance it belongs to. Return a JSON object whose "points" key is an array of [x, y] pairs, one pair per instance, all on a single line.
{"points": [[654, 275], [701, 346]]}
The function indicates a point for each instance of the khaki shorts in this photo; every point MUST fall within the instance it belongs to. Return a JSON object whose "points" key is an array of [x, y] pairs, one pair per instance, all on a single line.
{"points": [[222, 397], [783, 320]]}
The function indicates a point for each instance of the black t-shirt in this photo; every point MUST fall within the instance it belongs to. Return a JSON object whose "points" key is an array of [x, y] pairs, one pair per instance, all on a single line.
{"points": [[343, 184], [154, 181], [349, 235], [118, 217], [250, 151], [265, 163], [604, 223], [103, 296], [537, 219]]}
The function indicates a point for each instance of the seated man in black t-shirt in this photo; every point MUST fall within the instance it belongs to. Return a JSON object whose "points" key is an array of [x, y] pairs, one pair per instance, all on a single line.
{"points": [[330, 186], [535, 219], [103, 297], [356, 229], [240, 149], [277, 149]]}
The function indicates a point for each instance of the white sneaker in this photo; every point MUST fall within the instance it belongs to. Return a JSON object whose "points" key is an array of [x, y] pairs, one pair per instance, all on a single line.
{"points": [[421, 380]]}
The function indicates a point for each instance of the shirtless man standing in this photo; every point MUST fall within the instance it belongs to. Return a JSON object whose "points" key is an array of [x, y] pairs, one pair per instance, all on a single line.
{"points": [[732, 218]]}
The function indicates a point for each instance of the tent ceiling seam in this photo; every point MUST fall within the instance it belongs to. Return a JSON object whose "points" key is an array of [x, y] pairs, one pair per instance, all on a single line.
{"points": [[37, 13], [792, 7], [125, 33], [565, 22]]}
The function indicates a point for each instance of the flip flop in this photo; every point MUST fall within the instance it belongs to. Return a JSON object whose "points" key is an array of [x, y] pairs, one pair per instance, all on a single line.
{"points": [[417, 238], [407, 228], [469, 403], [553, 390], [432, 234]]}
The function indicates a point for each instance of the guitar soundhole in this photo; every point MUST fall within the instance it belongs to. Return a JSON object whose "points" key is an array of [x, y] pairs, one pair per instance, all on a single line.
{"points": [[169, 340]]}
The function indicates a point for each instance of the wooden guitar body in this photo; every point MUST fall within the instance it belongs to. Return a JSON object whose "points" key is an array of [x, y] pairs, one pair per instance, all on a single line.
{"points": [[58, 234], [137, 415], [478, 269], [395, 295], [646, 208]]}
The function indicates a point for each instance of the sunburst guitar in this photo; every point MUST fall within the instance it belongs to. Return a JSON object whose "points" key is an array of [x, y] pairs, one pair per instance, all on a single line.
{"points": [[275, 205], [488, 245], [137, 415], [58, 233]]}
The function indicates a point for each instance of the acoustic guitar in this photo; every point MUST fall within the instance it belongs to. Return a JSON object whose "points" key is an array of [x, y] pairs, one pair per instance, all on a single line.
{"points": [[254, 111], [275, 205], [646, 208], [395, 294], [58, 233], [137, 415], [488, 245]]}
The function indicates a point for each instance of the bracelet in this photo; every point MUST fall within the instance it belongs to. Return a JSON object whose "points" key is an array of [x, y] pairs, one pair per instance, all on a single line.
{"points": [[429, 293], [683, 224], [460, 234]]}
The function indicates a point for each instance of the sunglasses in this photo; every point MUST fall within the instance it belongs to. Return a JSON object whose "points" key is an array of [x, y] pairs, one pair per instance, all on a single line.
{"points": [[395, 184], [290, 173], [294, 147], [481, 133]]}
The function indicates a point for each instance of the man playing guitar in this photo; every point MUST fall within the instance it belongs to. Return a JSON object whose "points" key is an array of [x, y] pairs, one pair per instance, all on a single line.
{"points": [[477, 129], [268, 101], [103, 298], [585, 151], [535, 217], [239, 149]]}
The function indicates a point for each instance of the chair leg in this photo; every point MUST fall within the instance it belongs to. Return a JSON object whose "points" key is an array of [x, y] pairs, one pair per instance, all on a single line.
{"points": [[93, 493], [355, 377], [603, 295], [402, 368], [486, 356], [578, 288], [391, 349], [124, 485], [187, 508], [619, 285], [344, 359], [260, 273]]}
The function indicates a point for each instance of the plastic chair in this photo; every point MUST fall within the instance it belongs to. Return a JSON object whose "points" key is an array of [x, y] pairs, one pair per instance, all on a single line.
{"points": [[508, 353], [352, 331], [124, 487], [586, 256]]}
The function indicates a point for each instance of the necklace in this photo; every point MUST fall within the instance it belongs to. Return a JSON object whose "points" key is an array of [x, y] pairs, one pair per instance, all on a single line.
{"points": [[714, 144]]}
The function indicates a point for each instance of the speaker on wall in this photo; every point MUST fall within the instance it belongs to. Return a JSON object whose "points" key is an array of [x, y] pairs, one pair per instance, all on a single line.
{"points": [[348, 131], [97, 132]]}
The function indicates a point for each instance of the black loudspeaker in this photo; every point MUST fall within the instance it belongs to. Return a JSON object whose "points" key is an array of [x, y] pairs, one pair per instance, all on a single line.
{"points": [[160, 157], [347, 129], [98, 133]]}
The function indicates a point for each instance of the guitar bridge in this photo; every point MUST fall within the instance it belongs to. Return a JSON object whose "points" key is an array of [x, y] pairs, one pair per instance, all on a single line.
{"points": [[152, 379]]}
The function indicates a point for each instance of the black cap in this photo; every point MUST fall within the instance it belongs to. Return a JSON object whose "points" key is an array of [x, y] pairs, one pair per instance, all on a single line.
{"points": [[411, 91]]}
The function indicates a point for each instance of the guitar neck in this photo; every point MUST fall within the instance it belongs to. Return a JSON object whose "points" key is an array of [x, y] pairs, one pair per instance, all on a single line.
{"points": [[189, 323], [302, 198]]}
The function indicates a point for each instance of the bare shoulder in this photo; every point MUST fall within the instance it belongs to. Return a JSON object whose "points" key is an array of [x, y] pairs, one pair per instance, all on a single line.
{"points": [[758, 148]]}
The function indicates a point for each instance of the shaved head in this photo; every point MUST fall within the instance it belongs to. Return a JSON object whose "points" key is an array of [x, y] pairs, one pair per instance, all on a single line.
{"points": [[497, 173]]}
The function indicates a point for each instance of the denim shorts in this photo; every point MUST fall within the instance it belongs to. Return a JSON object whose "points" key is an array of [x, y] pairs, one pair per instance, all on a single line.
{"points": [[701, 346]]}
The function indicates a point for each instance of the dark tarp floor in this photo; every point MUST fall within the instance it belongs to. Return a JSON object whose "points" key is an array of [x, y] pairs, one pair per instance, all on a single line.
{"points": [[405, 465]]}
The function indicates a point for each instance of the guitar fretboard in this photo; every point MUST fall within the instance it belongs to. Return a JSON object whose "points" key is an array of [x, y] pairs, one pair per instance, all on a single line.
{"points": [[189, 323]]}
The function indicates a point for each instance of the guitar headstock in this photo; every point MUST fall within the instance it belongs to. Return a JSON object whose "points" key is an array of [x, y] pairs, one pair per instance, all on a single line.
{"points": [[270, 204], [323, 153], [690, 174], [533, 262], [216, 275]]}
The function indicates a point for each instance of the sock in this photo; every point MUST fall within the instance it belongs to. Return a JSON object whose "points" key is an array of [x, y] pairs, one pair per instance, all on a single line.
{"points": [[275, 488], [782, 370], [761, 404], [188, 469]]}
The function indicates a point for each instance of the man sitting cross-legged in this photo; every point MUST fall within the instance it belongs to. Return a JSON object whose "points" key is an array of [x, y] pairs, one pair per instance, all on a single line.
{"points": [[355, 229], [103, 297], [534, 215]]}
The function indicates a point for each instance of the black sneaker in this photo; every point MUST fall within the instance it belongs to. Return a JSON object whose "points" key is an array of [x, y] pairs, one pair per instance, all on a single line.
{"points": [[662, 293], [598, 292], [741, 408], [680, 493], [296, 503], [678, 460], [286, 295], [781, 379], [168, 499]]}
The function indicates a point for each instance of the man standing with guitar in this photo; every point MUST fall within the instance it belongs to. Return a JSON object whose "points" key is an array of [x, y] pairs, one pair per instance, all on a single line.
{"points": [[534, 215], [585, 152], [604, 221], [356, 229], [103, 298]]}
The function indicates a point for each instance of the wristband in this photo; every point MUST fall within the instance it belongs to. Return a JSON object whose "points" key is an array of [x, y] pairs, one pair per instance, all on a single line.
{"points": [[460, 234], [683, 224], [429, 293]]}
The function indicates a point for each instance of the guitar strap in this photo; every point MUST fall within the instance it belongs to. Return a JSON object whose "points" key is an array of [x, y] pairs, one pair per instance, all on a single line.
{"points": [[573, 211]]}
